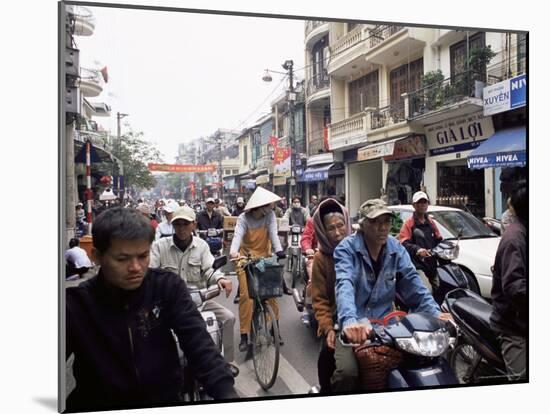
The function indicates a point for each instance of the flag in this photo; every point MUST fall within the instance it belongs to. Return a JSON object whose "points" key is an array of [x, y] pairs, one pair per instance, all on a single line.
{"points": [[105, 74]]}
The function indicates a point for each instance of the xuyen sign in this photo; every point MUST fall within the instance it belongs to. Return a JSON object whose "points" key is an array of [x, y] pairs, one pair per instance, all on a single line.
{"points": [[505, 95]]}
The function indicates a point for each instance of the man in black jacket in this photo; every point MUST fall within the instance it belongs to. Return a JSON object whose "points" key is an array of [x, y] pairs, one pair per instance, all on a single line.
{"points": [[119, 326], [209, 218], [509, 292]]}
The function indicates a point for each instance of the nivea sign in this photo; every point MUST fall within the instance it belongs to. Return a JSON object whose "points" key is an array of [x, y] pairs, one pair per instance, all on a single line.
{"points": [[505, 95]]}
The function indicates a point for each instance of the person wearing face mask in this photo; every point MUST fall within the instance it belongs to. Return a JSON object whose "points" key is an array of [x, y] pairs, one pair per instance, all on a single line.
{"points": [[255, 234], [297, 215]]}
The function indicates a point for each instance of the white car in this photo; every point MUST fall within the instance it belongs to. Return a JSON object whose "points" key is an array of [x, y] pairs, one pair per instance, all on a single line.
{"points": [[478, 244]]}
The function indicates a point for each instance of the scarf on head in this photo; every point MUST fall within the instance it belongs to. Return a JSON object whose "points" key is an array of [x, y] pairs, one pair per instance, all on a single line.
{"points": [[326, 245]]}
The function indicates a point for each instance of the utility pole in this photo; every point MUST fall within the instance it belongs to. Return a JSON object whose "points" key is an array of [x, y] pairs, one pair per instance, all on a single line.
{"points": [[220, 173], [120, 167], [291, 97]]}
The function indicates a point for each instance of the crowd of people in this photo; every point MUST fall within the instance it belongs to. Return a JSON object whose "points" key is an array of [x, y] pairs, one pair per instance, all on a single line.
{"points": [[119, 322]]}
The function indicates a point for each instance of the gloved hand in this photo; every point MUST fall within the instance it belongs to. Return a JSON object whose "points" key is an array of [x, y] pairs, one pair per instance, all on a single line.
{"points": [[281, 255]]}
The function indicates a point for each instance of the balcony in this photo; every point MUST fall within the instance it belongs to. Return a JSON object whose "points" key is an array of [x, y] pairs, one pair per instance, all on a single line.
{"points": [[316, 144], [100, 140], [349, 132], [314, 30], [84, 24], [316, 84], [460, 94], [91, 82], [387, 116], [381, 33]]}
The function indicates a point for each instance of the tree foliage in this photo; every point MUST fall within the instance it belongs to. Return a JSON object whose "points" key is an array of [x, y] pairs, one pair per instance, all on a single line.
{"points": [[135, 153]]}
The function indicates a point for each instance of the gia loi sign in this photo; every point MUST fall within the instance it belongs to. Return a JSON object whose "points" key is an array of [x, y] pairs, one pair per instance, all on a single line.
{"points": [[505, 95]]}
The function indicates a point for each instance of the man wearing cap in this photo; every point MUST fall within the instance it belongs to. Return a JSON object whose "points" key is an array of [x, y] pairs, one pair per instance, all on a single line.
{"points": [[165, 229], [144, 209], [418, 247], [239, 207], [371, 267], [209, 218], [256, 235], [190, 258], [221, 208]]}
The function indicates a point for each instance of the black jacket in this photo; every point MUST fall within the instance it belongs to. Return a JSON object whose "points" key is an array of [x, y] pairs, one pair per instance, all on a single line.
{"points": [[125, 353], [204, 222], [509, 291]]}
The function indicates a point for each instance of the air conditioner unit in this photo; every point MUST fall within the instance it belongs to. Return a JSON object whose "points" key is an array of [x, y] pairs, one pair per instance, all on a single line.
{"points": [[72, 61], [72, 100]]}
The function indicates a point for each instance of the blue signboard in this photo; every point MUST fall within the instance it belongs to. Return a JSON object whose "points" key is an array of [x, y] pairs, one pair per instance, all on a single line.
{"points": [[518, 89]]}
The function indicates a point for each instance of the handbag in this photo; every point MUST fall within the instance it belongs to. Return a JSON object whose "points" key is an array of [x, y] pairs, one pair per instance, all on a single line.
{"points": [[375, 361]]}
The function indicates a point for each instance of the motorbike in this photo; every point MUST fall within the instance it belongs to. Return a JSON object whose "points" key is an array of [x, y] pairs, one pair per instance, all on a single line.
{"points": [[477, 356], [451, 276], [192, 389], [81, 228], [423, 341], [296, 263], [214, 239]]}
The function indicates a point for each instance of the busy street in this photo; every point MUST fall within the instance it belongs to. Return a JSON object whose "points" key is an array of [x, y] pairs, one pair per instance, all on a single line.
{"points": [[364, 228]]}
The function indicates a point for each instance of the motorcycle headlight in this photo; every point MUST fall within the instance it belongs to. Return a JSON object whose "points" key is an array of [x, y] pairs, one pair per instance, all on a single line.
{"points": [[447, 253], [429, 344]]}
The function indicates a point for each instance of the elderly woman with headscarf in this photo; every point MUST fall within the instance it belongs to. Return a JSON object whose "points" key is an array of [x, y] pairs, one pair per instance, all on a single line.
{"points": [[332, 225]]}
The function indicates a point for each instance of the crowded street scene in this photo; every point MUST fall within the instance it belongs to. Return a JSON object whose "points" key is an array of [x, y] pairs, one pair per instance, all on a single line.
{"points": [[363, 229]]}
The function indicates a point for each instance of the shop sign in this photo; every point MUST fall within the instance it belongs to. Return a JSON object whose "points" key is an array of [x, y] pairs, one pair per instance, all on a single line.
{"points": [[262, 179], [375, 151], [229, 183], [459, 134], [413, 146], [505, 95], [282, 162], [278, 181]]}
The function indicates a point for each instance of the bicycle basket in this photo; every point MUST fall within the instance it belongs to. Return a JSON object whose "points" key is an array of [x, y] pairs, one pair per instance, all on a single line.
{"points": [[374, 362], [266, 284]]}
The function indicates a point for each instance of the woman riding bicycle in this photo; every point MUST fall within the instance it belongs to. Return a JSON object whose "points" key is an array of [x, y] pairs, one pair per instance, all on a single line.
{"points": [[255, 235], [332, 225]]}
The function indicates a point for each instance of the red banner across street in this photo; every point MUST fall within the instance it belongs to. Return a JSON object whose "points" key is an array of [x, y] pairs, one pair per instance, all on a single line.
{"points": [[183, 168]]}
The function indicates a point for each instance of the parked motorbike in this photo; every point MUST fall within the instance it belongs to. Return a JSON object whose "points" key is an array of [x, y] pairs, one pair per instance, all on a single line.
{"points": [[192, 389], [423, 340], [214, 239], [477, 356]]}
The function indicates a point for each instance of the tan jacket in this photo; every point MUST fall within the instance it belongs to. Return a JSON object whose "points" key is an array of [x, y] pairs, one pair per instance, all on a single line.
{"points": [[189, 265], [323, 278]]}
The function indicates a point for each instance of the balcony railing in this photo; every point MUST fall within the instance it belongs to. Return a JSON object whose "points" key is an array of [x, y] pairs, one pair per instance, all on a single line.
{"points": [[446, 92], [316, 144], [381, 33], [318, 82], [312, 25], [386, 116], [353, 38]]}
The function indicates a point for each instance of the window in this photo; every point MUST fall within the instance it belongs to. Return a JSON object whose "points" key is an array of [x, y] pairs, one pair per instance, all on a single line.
{"points": [[363, 92], [522, 53], [459, 53], [317, 61], [245, 154], [405, 79]]}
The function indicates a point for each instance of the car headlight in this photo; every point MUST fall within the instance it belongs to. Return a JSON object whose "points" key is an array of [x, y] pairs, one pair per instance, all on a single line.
{"points": [[429, 344]]}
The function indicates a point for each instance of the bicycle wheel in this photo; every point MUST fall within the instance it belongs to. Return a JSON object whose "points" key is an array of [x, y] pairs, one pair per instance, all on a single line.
{"points": [[461, 362], [265, 346]]}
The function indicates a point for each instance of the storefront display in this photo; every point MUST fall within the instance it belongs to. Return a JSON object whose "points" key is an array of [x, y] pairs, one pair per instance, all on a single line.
{"points": [[404, 178]]}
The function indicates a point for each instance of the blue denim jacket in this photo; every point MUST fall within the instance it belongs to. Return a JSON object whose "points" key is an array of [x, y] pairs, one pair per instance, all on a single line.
{"points": [[360, 296]]}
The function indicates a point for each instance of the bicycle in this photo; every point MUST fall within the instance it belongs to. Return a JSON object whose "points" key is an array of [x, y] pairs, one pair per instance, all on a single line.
{"points": [[265, 281]]}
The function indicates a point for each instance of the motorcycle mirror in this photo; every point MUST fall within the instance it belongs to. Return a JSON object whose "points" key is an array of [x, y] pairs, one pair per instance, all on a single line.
{"points": [[219, 261]]}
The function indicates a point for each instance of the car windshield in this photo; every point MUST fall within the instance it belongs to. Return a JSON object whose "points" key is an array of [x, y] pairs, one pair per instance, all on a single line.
{"points": [[456, 222], [451, 222]]}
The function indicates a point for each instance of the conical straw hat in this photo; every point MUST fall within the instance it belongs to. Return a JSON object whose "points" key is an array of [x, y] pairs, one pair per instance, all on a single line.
{"points": [[261, 197]]}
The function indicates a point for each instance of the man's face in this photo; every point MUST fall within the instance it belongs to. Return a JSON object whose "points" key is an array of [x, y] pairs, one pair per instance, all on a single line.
{"points": [[314, 200], [183, 228], [421, 206], [210, 206], [125, 263], [376, 230]]}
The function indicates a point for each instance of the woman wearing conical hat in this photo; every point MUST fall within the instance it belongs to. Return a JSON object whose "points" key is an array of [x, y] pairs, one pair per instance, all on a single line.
{"points": [[256, 235]]}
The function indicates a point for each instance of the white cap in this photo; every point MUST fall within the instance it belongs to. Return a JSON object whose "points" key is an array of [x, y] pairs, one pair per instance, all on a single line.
{"points": [[261, 197], [171, 206], [185, 213], [420, 195], [240, 200]]}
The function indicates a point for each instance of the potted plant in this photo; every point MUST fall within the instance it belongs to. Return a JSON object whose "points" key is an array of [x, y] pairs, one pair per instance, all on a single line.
{"points": [[432, 85]]}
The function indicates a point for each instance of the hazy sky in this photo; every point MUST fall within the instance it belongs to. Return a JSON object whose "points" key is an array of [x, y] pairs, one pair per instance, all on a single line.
{"points": [[180, 75]]}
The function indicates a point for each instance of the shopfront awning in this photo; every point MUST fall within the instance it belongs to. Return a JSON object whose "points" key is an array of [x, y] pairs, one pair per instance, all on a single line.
{"points": [[317, 173], [408, 146], [505, 148]]}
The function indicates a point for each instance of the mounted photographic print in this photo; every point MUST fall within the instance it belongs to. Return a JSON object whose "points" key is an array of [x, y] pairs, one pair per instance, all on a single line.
{"points": [[263, 206]]}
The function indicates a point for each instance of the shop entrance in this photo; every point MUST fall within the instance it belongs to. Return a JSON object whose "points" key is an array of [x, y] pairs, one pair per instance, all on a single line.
{"points": [[460, 187], [404, 179], [365, 183]]}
